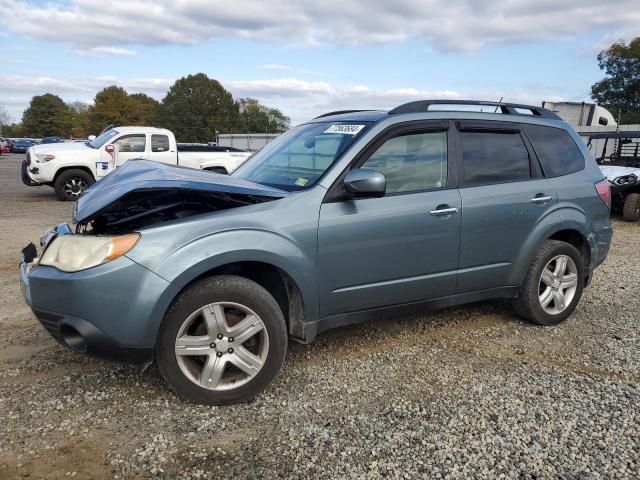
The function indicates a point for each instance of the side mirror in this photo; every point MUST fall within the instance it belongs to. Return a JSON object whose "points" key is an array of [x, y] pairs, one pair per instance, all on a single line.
{"points": [[91, 138], [110, 148], [365, 182], [603, 121]]}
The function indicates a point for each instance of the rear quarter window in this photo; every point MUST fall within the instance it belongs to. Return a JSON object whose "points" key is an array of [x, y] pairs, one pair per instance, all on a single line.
{"points": [[556, 150]]}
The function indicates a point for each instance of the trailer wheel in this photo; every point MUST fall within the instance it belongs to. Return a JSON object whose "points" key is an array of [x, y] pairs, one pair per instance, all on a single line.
{"points": [[631, 209]]}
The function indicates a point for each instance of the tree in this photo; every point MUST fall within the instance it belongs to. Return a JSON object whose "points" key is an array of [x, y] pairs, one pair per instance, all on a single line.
{"points": [[111, 106], [261, 119], [79, 118], [4, 121], [145, 109], [197, 106], [47, 115], [619, 91]]}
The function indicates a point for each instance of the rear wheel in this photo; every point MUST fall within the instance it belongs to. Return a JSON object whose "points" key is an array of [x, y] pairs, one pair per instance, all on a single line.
{"points": [[71, 184], [222, 341], [553, 285], [631, 209]]}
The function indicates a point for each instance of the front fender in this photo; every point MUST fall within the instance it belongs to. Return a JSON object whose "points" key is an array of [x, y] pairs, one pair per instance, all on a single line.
{"points": [[206, 253]]}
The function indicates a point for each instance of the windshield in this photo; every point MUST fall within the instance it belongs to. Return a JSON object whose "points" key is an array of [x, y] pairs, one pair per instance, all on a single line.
{"points": [[298, 158], [103, 138]]}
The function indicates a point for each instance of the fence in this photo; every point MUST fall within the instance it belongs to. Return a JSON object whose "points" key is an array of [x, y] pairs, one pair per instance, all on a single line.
{"points": [[246, 141]]}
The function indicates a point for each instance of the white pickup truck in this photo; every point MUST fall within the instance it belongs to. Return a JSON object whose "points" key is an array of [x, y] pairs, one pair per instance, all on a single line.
{"points": [[71, 167]]}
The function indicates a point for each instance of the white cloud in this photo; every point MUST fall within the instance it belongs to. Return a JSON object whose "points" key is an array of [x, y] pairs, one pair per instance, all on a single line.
{"points": [[442, 24], [277, 67], [108, 51], [297, 98]]}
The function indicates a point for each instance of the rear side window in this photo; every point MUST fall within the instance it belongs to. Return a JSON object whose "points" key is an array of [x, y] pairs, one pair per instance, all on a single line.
{"points": [[556, 150], [494, 157], [159, 143]]}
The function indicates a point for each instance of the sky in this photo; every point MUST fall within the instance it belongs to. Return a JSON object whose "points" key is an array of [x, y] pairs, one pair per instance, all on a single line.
{"points": [[307, 57]]}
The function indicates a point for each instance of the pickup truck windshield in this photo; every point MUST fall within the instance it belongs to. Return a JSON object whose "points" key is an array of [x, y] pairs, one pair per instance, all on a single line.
{"points": [[298, 158], [103, 138]]}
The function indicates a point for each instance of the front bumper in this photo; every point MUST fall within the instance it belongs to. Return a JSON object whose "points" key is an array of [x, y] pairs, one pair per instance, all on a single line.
{"points": [[107, 311], [26, 178]]}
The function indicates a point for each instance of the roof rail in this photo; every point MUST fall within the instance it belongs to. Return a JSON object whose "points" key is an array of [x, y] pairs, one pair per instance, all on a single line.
{"points": [[421, 106], [338, 112]]}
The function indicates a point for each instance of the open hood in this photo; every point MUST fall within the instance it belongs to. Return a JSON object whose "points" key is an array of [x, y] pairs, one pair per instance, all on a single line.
{"points": [[142, 190]]}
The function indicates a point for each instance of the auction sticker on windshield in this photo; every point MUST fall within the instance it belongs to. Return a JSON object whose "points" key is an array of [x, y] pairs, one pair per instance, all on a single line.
{"points": [[345, 129]]}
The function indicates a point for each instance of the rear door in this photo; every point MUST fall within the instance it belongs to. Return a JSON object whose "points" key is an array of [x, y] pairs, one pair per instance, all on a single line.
{"points": [[504, 197], [402, 247], [161, 150]]}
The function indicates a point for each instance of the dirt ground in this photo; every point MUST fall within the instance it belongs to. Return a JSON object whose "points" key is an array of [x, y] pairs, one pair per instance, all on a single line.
{"points": [[458, 393]]}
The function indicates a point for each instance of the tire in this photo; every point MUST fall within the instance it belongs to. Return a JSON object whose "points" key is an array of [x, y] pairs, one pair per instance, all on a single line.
{"points": [[529, 303], [631, 209], [220, 170], [71, 184], [185, 373]]}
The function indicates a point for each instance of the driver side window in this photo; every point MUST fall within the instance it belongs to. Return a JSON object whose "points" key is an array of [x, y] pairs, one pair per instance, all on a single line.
{"points": [[412, 161], [132, 143]]}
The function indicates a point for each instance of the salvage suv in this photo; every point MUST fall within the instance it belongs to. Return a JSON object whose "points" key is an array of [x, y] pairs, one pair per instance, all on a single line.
{"points": [[351, 216]]}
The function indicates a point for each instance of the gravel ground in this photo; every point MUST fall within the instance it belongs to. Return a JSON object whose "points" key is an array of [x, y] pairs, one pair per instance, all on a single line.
{"points": [[459, 393]]}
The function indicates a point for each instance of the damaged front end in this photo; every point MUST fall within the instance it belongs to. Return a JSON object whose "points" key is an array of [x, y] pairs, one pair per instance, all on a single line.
{"points": [[143, 193]]}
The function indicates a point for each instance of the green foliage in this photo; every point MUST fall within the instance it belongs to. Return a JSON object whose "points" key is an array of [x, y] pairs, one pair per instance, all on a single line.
{"points": [[14, 130], [47, 115], [260, 119], [79, 119], [619, 91], [114, 106], [197, 106]]}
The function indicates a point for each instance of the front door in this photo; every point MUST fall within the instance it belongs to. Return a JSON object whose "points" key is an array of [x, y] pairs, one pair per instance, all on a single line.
{"points": [[131, 146], [399, 248]]}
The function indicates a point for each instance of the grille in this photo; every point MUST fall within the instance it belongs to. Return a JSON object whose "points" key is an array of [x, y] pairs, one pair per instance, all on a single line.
{"points": [[28, 159]]}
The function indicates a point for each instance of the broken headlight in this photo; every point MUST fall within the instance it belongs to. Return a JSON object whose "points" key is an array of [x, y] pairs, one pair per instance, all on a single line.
{"points": [[72, 253]]}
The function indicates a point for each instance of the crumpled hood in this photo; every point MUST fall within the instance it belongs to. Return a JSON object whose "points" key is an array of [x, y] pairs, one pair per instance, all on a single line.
{"points": [[146, 175]]}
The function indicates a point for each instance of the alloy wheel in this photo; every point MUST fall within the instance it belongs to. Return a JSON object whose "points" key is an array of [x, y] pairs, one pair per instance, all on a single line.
{"points": [[222, 346], [558, 284], [74, 187]]}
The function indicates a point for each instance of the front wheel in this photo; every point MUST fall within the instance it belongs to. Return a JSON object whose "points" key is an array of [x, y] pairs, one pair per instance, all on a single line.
{"points": [[222, 341], [71, 184], [553, 285]]}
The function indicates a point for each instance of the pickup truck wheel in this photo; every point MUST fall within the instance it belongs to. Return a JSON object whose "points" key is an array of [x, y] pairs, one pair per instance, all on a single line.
{"points": [[631, 209], [71, 184], [222, 341], [553, 285]]}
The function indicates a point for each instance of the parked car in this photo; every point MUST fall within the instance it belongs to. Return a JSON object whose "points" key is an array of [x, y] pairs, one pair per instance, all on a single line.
{"points": [[4, 146], [21, 146], [619, 160], [46, 140], [71, 167], [351, 216]]}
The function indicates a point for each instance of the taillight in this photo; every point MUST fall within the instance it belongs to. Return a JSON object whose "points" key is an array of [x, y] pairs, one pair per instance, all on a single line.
{"points": [[604, 190]]}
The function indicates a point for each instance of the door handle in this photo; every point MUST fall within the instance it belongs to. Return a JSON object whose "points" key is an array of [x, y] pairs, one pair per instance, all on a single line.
{"points": [[541, 198], [443, 212]]}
